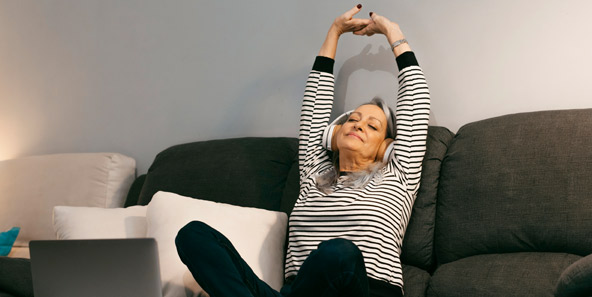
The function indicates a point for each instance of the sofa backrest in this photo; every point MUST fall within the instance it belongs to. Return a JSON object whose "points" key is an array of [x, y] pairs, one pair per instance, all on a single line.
{"points": [[263, 173], [418, 243], [517, 183], [252, 172]]}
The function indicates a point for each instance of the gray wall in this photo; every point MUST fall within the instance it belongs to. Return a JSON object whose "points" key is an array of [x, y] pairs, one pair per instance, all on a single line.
{"points": [[136, 76]]}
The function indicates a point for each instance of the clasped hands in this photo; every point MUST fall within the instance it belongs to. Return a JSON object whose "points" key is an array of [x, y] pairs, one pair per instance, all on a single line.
{"points": [[376, 24]]}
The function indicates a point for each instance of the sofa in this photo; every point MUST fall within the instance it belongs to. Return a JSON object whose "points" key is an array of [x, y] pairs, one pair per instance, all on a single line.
{"points": [[504, 207]]}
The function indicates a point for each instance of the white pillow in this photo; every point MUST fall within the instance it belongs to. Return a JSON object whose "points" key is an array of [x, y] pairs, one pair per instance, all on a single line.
{"points": [[30, 187], [258, 235], [71, 222]]}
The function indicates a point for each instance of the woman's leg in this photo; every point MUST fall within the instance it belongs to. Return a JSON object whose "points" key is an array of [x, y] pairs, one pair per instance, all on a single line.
{"points": [[216, 265], [336, 268]]}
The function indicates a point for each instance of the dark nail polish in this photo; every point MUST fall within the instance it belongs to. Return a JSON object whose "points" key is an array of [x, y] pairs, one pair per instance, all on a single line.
{"points": [[371, 13], [359, 6]]}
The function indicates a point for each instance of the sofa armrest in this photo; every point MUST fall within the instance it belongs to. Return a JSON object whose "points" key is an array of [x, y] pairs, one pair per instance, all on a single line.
{"points": [[576, 280]]}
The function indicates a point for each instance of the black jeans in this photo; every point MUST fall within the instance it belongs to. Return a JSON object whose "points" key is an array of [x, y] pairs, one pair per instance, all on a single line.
{"points": [[335, 268]]}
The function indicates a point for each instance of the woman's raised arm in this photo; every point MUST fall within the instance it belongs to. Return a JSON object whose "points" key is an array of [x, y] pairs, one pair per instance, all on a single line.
{"points": [[342, 24], [382, 25], [413, 100]]}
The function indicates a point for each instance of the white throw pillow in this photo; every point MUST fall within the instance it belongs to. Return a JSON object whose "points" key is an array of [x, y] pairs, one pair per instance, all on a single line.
{"points": [[71, 222], [258, 235], [32, 186]]}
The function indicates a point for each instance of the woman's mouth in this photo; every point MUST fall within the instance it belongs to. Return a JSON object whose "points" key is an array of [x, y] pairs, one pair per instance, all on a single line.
{"points": [[355, 135]]}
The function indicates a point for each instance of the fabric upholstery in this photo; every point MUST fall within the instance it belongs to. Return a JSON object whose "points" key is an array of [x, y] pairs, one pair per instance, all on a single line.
{"points": [[243, 171], [513, 274], [21, 286], [517, 183], [134, 192], [418, 243], [576, 280], [415, 281], [32, 186]]}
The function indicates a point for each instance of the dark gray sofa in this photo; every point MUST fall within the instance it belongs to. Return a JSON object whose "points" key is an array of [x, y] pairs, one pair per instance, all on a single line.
{"points": [[504, 207], [514, 207]]}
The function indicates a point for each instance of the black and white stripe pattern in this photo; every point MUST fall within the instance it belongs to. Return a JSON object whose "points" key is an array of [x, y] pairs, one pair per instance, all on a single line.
{"points": [[376, 216]]}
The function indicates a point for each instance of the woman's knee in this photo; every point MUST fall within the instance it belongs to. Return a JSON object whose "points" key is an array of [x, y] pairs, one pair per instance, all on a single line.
{"points": [[194, 231], [339, 250]]}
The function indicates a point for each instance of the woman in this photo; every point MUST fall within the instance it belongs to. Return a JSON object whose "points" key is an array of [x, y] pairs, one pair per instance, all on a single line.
{"points": [[346, 229]]}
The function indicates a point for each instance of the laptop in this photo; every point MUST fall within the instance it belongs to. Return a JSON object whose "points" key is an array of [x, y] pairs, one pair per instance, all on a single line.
{"points": [[96, 267]]}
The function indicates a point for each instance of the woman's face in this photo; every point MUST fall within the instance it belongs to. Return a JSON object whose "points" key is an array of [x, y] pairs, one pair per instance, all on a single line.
{"points": [[363, 132]]}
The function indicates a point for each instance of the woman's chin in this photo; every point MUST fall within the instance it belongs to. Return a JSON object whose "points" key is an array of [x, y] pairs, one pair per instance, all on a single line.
{"points": [[352, 146]]}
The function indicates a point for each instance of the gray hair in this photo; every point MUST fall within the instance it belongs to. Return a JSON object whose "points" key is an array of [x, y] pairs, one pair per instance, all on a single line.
{"points": [[328, 178]]}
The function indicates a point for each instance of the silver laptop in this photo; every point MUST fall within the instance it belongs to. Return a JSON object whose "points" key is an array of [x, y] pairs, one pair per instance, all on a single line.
{"points": [[101, 267]]}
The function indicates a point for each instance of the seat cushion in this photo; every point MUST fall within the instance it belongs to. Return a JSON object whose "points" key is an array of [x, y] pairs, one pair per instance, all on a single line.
{"points": [[15, 277], [514, 274], [576, 280], [415, 281]]}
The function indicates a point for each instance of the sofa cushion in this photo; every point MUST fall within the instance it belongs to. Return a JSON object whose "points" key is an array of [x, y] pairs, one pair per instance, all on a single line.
{"points": [[258, 235], [241, 171], [576, 280], [32, 186], [415, 281], [517, 183], [72, 222], [514, 274], [418, 243], [15, 277]]}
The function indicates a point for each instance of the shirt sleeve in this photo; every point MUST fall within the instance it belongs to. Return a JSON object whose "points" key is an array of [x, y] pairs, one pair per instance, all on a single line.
{"points": [[314, 116], [412, 119]]}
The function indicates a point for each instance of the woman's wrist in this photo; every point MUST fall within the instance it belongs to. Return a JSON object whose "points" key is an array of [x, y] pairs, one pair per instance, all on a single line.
{"points": [[402, 48], [334, 31], [329, 47], [394, 36]]}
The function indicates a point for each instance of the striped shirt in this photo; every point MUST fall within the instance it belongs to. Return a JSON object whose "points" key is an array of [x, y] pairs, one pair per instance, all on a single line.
{"points": [[374, 217]]}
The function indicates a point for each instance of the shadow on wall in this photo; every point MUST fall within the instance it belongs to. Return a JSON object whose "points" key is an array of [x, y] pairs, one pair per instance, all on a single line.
{"points": [[364, 60], [383, 60], [273, 95]]}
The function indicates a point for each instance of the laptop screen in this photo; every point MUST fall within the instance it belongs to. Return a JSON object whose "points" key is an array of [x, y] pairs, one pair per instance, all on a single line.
{"points": [[96, 267]]}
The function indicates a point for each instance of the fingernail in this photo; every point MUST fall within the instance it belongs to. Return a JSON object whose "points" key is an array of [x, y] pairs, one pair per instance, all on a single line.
{"points": [[371, 13], [359, 6]]}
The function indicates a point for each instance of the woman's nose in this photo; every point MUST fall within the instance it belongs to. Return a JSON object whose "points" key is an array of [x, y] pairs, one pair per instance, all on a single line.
{"points": [[358, 126]]}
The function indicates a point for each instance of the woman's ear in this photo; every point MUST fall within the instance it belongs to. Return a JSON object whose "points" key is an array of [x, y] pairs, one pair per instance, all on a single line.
{"points": [[334, 138]]}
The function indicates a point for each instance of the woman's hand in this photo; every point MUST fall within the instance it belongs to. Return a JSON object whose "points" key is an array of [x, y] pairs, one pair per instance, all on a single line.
{"points": [[382, 25], [342, 24], [347, 23]]}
